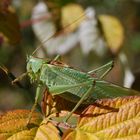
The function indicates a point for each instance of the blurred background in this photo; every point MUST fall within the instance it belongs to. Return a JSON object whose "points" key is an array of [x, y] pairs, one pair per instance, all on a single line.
{"points": [[86, 33]]}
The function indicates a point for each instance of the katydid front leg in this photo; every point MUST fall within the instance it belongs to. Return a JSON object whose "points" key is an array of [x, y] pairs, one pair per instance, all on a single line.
{"points": [[38, 91], [19, 78], [56, 58], [10, 75]]}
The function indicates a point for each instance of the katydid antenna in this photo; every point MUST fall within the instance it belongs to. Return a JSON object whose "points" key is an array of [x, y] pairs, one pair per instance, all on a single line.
{"points": [[82, 16]]}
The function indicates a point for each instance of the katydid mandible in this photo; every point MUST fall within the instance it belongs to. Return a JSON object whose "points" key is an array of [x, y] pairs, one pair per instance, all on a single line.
{"points": [[71, 84]]}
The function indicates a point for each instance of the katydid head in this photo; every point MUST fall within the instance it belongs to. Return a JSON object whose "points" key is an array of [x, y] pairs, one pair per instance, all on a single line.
{"points": [[33, 67], [34, 64]]}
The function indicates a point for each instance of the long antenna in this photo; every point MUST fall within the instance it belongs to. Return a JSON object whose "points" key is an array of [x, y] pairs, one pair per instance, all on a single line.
{"points": [[58, 32]]}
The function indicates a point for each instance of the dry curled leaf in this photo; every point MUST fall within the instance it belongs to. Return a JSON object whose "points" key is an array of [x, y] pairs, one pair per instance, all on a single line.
{"points": [[55, 104], [13, 126], [116, 119]]}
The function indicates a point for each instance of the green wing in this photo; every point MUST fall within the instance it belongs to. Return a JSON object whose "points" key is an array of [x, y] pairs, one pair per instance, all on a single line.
{"points": [[105, 89], [62, 79]]}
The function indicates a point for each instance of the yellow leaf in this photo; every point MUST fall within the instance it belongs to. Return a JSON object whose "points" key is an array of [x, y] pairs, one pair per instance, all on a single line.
{"points": [[113, 32], [101, 122], [9, 26], [13, 126], [69, 15], [47, 131]]}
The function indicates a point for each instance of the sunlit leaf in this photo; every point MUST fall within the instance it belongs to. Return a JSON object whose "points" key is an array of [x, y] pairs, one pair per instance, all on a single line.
{"points": [[47, 131], [9, 25], [113, 32], [13, 126], [108, 119], [70, 14]]}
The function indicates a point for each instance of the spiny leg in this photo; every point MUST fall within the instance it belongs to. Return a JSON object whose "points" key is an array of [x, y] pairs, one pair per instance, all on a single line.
{"points": [[86, 95], [38, 91], [19, 78], [107, 71], [109, 64], [56, 58]]}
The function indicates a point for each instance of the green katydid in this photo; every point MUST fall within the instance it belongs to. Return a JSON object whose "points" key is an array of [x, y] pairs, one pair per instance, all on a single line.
{"points": [[71, 84]]}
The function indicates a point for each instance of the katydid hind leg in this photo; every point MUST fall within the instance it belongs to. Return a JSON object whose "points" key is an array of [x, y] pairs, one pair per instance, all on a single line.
{"points": [[109, 64], [38, 91], [107, 71], [109, 67], [86, 95]]}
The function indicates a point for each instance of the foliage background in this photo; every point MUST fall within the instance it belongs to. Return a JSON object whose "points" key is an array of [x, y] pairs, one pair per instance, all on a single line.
{"points": [[14, 56]]}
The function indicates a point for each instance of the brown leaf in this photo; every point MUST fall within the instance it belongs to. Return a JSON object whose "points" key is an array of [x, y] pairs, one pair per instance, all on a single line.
{"points": [[9, 25], [55, 104], [99, 122]]}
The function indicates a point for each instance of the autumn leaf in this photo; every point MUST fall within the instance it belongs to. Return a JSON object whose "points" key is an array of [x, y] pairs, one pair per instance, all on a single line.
{"points": [[69, 14], [109, 119], [113, 32], [52, 104], [13, 126], [47, 131]]}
